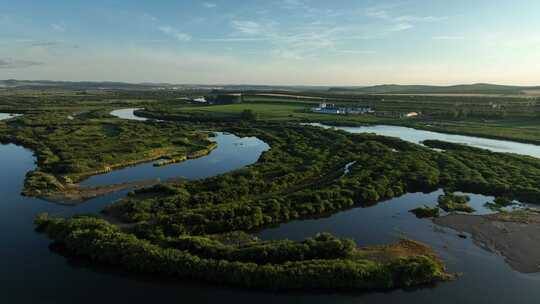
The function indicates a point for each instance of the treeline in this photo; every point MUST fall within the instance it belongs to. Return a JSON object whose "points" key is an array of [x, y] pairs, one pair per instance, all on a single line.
{"points": [[102, 242], [475, 170], [322, 246]]}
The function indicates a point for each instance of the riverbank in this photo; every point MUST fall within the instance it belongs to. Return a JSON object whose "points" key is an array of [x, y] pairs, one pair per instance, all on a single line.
{"points": [[75, 193], [515, 235]]}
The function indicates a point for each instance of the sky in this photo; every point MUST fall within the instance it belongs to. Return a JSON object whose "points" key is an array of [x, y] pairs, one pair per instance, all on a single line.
{"points": [[285, 42]]}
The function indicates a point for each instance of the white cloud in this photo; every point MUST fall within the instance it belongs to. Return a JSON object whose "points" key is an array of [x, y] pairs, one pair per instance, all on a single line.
{"points": [[236, 39], [401, 27], [247, 27], [145, 17], [178, 35], [209, 5], [402, 22], [381, 14], [287, 54], [58, 27], [448, 38], [294, 4], [357, 52]]}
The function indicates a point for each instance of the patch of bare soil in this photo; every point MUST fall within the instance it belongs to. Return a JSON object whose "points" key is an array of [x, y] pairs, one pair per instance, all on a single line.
{"points": [[514, 235]]}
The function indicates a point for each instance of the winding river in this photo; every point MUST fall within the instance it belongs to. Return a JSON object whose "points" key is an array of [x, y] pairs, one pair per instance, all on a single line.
{"points": [[417, 136], [33, 273]]}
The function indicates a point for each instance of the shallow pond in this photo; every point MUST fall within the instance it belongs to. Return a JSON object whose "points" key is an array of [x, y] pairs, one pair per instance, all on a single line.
{"points": [[417, 136], [128, 113], [4, 116]]}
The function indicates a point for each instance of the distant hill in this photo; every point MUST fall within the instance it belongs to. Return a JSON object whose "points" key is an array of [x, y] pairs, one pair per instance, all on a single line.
{"points": [[108, 85], [82, 85], [478, 88]]}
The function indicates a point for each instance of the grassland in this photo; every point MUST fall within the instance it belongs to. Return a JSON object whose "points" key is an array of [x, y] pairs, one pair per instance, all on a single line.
{"points": [[516, 119]]}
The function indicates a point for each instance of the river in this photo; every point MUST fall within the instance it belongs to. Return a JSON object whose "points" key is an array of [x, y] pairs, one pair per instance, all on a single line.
{"points": [[32, 273], [417, 136]]}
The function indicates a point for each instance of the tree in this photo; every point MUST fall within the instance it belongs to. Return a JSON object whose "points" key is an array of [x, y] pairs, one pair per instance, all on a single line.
{"points": [[249, 115]]}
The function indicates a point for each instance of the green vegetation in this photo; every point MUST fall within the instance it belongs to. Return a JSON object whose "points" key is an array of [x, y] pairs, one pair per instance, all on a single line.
{"points": [[499, 117], [198, 229], [499, 203], [423, 212], [248, 115], [320, 262], [450, 202], [69, 151]]}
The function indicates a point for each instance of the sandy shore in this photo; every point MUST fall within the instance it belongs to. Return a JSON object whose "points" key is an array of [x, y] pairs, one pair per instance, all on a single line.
{"points": [[515, 235]]}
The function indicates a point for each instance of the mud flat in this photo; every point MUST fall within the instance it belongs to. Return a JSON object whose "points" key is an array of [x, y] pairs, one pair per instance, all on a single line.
{"points": [[75, 193], [514, 235]]}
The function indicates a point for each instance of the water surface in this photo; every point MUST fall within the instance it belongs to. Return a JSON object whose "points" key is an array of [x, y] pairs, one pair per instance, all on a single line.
{"points": [[486, 277], [128, 113], [417, 136], [232, 152], [4, 116]]}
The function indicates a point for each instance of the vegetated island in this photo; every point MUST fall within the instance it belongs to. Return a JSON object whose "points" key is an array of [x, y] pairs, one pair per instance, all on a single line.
{"points": [[182, 229], [451, 202], [69, 151]]}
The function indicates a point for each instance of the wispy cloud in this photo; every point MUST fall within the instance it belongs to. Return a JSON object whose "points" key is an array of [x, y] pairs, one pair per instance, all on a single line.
{"points": [[178, 35], [294, 4], [401, 22], [448, 38], [209, 5], [357, 52], [59, 27], [8, 63], [247, 27], [400, 27], [235, 39], [44, 43], [145, 17], [293, 42]]}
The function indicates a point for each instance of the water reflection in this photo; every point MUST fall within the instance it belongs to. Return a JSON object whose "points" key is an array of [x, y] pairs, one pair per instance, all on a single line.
{"points": [[417, 136], [232, 152], [4, 116], [128, 114]]}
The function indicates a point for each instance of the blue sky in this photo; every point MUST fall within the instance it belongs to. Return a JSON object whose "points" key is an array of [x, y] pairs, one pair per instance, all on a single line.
{"points": [[340, 42]]}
